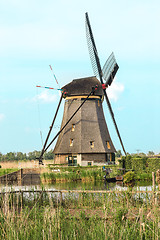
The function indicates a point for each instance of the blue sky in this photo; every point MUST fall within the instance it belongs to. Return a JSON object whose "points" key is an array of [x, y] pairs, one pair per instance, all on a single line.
{"points": [[35, 34]]}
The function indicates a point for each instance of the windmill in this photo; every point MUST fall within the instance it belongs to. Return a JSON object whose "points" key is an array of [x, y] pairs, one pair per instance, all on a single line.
{"points": [[84, 138]]}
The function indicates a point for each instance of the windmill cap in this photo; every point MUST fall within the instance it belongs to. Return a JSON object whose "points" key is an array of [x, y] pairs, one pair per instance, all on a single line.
{"points": [[83, 86]]}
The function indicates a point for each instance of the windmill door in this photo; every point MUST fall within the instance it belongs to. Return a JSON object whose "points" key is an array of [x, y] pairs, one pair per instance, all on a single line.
{"points": [[72, 160]]}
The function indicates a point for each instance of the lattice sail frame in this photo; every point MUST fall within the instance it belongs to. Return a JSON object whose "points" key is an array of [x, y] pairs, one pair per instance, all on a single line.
{"points": [[98, 71], [109, 69], [92, 50]]}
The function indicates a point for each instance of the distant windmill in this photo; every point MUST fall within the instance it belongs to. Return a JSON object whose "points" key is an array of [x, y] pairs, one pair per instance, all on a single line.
{"points": [[84, 137]]}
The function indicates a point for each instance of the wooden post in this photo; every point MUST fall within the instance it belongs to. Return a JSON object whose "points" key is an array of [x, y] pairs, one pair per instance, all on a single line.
{"points": [[158, 181], [105, 215], [153, 183], [21, 200], [5, 204], [158, 178], [60, 198], [141, 221], [20, 176], [6, 179], [156, 198]]}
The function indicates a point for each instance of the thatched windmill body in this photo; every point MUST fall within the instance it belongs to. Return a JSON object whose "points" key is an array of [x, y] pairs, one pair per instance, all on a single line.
{"points": [[84, 138]]}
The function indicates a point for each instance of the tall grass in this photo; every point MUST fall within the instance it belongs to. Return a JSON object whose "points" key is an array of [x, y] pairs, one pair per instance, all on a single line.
{"points": [[69, 174], [83, 175], [78, 216]]}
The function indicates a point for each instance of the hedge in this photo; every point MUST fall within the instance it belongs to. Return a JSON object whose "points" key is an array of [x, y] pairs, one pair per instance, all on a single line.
{"points": [[141, 164]]}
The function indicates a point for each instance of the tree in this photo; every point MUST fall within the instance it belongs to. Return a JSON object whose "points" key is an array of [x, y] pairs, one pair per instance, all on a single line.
{"points": [[11, 156], [150, 153], [21, 156], [49, 155], [33, 155]]}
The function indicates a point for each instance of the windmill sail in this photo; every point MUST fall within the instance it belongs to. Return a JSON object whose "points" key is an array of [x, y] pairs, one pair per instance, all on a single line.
{"points": [[92, 50], [98, 71], [110, 69]]}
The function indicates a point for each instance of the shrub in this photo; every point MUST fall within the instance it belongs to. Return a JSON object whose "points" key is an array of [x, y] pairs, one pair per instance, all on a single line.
{"points": [[129, 177], [140, 164]]}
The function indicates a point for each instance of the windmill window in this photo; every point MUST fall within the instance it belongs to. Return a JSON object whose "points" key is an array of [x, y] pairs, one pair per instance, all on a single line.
{"points": [[71, 142], [108, 145], [73, 127], [92, 144]]}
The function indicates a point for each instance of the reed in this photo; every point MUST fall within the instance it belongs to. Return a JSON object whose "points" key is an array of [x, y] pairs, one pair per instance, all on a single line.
{"points": [[74, 175], [110, 215]]}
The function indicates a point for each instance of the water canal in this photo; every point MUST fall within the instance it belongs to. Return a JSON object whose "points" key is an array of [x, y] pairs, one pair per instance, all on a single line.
{"points": [[99, 185]]}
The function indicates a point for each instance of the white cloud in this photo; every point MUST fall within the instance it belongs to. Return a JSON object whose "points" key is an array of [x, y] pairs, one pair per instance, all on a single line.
{"points": [[2, 116], [45, 97], [115, 90]]}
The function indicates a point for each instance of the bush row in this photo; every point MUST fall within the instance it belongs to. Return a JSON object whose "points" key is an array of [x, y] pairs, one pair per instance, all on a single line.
{"points": [[141, 164]]}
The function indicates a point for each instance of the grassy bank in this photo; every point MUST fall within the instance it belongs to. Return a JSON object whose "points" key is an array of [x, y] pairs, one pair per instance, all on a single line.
{"points": [[7, 170], [82, 175], [83, 216], [69, 174], [86, 174]]}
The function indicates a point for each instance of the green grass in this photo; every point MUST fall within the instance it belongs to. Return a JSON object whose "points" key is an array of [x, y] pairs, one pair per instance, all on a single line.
{"points": [[83, 216], [90, 173], [144, 176], [76, 175], [69, 174], [7, 170], [73, 168]]}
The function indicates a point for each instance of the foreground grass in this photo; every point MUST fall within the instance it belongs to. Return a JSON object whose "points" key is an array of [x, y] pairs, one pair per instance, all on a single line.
{"points": [[79, 216]]}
